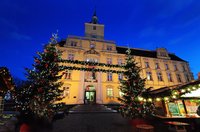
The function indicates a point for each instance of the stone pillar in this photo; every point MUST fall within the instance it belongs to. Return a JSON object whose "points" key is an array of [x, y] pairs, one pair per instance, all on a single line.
{"points": [[81, 88], [99, 90]]}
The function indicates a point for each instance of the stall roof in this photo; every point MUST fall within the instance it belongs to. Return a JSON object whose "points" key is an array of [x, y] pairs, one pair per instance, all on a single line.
{"points": [[166, 91]]}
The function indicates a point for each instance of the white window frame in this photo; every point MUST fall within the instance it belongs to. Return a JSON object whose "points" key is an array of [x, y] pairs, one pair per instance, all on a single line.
{"points": [[110, 92], [149, 76], [159, 76]]}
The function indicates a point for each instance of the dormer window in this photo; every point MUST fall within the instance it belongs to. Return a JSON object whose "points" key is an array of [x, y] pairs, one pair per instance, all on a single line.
{"points": [[162, 53], [109, 48]]}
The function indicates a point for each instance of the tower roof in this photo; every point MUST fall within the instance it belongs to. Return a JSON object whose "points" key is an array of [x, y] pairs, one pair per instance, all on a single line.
{"points": [[94, 18]]}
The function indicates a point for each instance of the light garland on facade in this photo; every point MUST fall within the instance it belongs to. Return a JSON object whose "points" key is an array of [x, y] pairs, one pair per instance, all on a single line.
{"points": [[89, 69], [91, 63]]}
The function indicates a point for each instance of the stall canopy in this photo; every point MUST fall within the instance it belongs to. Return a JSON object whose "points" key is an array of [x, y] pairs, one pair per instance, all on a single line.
{"points": [[191, 89]]}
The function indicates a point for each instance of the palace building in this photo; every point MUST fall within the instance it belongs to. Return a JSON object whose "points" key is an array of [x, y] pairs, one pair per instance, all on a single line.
{"points": [[159, 67]]}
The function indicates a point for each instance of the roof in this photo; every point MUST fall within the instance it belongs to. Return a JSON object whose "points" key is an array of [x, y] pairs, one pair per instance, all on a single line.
{"points": [[145, 53], [136, 52], [166, 91]]}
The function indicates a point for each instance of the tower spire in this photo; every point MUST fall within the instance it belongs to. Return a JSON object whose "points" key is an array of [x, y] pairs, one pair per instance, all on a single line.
{"points": [[94, 17]]}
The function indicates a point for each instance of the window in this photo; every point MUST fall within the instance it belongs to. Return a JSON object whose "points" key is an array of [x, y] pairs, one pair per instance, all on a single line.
{"points": [[109, 76], [147, 64], [109, 48], [166, 67], [178, 77], [66, 91], [149, 76], [109, 60], [163, 54], [92, 46], [91, 60], [183, 67], [70, 56], [109, 92], [175, 67], [119, 62], [120, 76], [159, 75], [68, 75], [157, 66], [94, 27], [73, 43], [169, 76], [187, 78]]}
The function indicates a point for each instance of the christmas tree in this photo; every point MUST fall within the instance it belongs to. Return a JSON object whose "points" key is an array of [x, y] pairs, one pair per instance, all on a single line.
{"points": [[45, 90], [134, 103]]}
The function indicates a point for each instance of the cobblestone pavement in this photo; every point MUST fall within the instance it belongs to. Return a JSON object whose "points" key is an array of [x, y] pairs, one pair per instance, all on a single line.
{"points": [[90, 120]]}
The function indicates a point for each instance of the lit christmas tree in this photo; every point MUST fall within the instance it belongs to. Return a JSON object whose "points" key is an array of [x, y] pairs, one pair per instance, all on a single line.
{"points": [[134, 103], [45, 87]]}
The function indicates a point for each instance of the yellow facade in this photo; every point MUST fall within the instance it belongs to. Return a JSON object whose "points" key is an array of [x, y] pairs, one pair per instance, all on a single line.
{"points": [[86, 87]]}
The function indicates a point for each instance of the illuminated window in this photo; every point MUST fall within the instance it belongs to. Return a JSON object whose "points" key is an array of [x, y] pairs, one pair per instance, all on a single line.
{"points": [[157, 66], [109, 48], [66, 91], [159, 75], [178, 77], [109, 92], [149, 76], [68, 75], [147, 64], [109, 76], [109, 60], [169, 76], [70, 56]]}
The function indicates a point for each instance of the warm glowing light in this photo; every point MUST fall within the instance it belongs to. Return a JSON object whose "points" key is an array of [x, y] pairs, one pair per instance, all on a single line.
{"points": [[174, 96], [193, 88], [166, 98], [145, 100], [183, 90], [175, 93], [188, 89], [150, 99], [158, 99], [140, 98]]}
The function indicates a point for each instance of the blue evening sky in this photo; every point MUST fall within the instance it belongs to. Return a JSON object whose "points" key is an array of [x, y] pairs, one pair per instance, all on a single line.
{"points": [[26, 25]]}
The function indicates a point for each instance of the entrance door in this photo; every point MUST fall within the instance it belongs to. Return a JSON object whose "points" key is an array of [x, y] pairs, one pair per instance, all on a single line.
{"points": [[90, 97]]}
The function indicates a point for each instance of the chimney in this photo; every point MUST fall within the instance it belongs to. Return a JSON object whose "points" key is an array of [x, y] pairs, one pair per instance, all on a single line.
{"points": [[199, 76]]}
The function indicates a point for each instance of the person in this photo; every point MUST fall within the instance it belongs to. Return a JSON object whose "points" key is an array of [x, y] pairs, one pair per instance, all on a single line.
{"points": [[24, 128]]}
